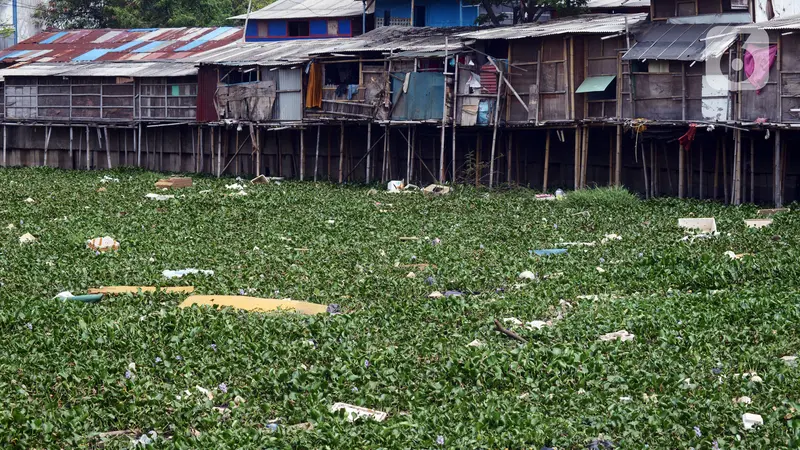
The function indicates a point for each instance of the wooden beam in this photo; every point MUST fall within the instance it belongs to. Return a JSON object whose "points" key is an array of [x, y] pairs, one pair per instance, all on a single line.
{"points": [[725, 185], [681, 172], [302, 154], [510, 152], [108, 146], [584, 157], [5, 146], [47, 131], [716, 168], [408, 154], [478, 159], [752, 170], [546, 161], [610, 159], [737, 169], [702, 186], [494, 131], [88, 149]]}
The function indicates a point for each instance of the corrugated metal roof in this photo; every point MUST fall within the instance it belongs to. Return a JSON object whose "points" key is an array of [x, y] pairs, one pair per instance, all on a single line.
{"points": [[784, 23], [616, 4], [582, 24], [306, 9], [400, 39], [275, 53], [103, 69], [119, 45], [668, 42]]}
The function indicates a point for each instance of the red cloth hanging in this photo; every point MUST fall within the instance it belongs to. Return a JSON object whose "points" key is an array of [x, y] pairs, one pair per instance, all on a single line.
{"points": [[687, 139]]}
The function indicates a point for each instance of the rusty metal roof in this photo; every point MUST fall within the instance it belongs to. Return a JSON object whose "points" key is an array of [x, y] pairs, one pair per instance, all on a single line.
{"points": [[307, 9], [680, 42], [582, 24], [102, 69], [118, 45]]}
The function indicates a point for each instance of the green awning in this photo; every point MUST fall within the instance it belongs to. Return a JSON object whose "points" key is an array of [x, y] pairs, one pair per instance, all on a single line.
{"points": [[595, 84]]}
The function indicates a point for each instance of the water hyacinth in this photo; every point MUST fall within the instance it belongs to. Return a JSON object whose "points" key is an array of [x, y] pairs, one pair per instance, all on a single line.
{"points": [[366, 363], [29, 326], [697, 431], [440, 440], [158, 359], [214, 347], [223, 387], [128, 375]]}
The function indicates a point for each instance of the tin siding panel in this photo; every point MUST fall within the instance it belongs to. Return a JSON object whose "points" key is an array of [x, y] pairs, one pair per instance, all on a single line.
{"points": [[290, 95]]}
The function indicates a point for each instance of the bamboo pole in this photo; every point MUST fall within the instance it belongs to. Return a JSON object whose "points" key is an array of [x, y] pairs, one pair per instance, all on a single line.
{"points": [[302, 154], [618, 165], [369, 153], [681, 172], [737, 169], [752, 170], [776, 171], [47, 131], [88, 149], [72, 161], [108, 146], [584, 157], [647, 193], [510, 155], [478, 148], [494, 132], [577, 172], [702, 186], [725, 185], [408, 154], [341, 152], [316, 154], [716, 168], [546, 161]]}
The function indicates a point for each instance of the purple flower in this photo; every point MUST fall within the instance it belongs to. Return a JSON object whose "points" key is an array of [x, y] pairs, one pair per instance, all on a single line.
{"points": [[413, 258], [241, 291], [555, 226], [29, 326], [440, 440], [697, 432], [715, 445], [158, 359], [179, 358], [354, 389], [602, 260], [223, 387], [128, 375], [21, 222], [641, 254], [214, 347], [436, 241], [716, 371], [277, 292], [481, 247], [366, 363], [97, 253]]}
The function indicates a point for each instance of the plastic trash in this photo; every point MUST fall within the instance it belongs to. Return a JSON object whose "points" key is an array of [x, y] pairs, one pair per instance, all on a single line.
{"points": [[395, 186], [706, 225], [621, 335], [527, 275], [560, 193], [103, 244], [357, 412], [550, 251], [234, 187], [160, 197], [66, 295], [758, 223], [30, 200], [751, 420], [108, 179], [181, 273], [436, 190], [476, 343], [27, 238]]}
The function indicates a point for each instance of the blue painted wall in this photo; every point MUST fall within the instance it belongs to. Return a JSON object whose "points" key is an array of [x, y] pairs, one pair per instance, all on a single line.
{"points": [[277, 30], [438, 13]]}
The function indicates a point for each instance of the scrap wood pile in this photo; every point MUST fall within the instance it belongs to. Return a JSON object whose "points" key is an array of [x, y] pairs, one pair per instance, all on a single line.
{"points": [[304, 315]]}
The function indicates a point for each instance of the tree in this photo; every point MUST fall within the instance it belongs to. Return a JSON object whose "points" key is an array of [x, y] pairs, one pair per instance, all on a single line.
{"points": [[65, 14], [525, 11]]}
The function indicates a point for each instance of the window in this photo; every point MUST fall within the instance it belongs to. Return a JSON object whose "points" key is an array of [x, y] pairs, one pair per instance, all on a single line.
{"points": [[298, 29], [341, 74], [658, 67], [739, 4]]}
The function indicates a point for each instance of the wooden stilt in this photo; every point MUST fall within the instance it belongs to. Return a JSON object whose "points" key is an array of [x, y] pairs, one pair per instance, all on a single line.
{"points": [[494, 131], [511, 155], [546, 161], [610, 159], [5, 146], [47, 131], [108, 147], [478, 159], [413, 139], [652, 169], [408, 155], [88, 149], [341, 152], [716, 169], [302, 154], [737, 169], [752, 170], [725, 185], [681, 172], [776, 171], [330, 149], [577, 159], [219, 148], [644, 171], [385, 152], [124, 140], [72, 161], [584, 157], [453, 153], [784, 165], [702, 185], [618, 165], [316, 153]]}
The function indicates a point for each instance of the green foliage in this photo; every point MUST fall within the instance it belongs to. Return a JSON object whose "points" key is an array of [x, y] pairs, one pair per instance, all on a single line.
{"points": [[695, 313], [65, 14]]}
